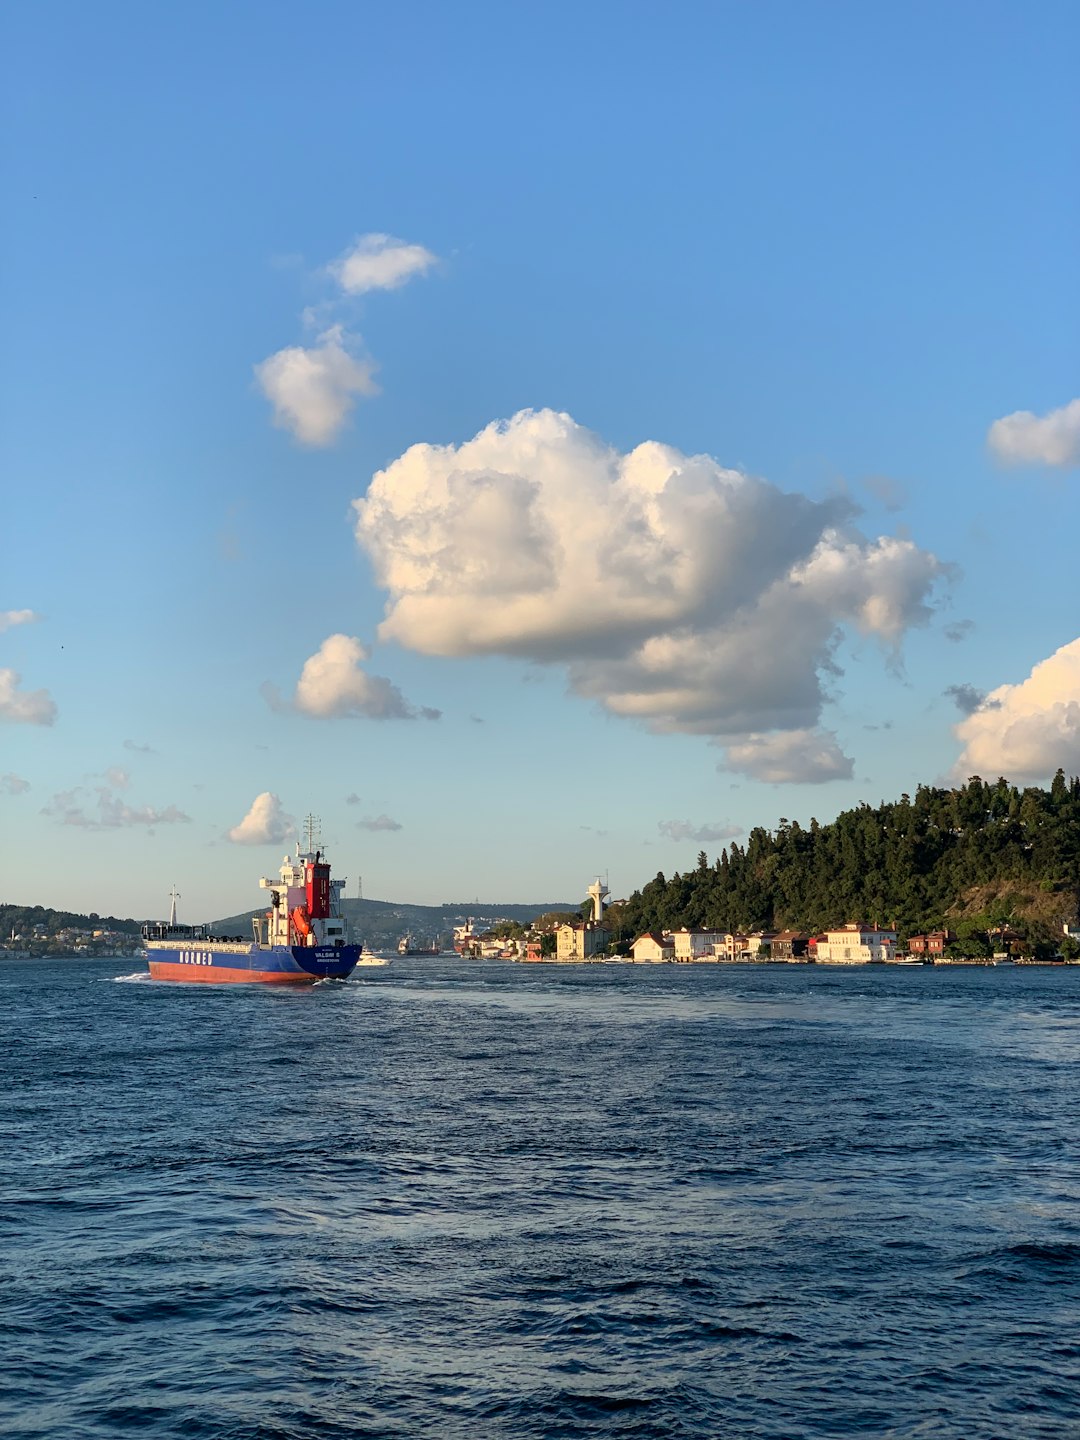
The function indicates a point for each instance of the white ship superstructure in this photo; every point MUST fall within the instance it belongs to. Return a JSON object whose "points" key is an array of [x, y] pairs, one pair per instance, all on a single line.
{"points": [[305, 904]]}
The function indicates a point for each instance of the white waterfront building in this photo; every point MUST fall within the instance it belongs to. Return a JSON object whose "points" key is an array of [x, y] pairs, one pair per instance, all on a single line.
{"points": [[856, 945], [693, 945], [653, 948]]}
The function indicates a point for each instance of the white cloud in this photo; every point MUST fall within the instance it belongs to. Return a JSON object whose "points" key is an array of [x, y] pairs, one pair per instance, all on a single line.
{"points": [[1024, 438], [266, 823], [379, 262], [1026, 731], [10, 618], [26, 707], [792, 757], [684, 830], [108, 811], [13, 784], [333, 685], [118, 778], [378, 822], [313, 388], [677, 592]]}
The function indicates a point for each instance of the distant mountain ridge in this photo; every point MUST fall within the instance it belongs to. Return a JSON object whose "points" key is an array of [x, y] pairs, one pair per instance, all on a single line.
{"points": [[380, 924]]}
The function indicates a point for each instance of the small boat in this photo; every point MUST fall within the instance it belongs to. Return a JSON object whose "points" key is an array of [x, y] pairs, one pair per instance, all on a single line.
{"points": [[301, 938]]}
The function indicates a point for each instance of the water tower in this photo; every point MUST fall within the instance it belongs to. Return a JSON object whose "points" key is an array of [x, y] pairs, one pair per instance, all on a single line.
{"points": [[598, 893]]}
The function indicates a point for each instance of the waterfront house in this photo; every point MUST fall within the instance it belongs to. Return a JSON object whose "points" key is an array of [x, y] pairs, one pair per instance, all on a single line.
{"points": [[856, 944], [653, 949], [729, 946], [692, 945], [789, 945], [930, 946], [758, 944], [584, 940]]}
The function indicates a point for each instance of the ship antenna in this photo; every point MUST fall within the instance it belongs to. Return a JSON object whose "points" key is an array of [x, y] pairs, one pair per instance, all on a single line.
{"points": [[311, 828], [174, 895]]}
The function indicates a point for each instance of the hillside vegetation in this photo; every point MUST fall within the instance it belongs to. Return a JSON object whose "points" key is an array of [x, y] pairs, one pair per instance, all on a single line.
{"points": [[980, 855]]}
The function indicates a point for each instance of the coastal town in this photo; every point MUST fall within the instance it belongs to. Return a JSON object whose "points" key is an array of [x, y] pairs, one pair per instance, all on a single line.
{"points": [[591, 940], [40, 941]]}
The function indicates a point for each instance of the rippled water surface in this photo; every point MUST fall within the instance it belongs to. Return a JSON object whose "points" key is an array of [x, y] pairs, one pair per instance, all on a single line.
{"points": [[503, 1201]]}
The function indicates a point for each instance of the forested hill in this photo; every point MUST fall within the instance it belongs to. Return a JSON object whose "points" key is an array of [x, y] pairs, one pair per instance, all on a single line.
{"points": [[984, 852]]}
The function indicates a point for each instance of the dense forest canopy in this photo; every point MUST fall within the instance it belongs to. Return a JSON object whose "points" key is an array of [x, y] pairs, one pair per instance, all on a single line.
{"points": [[912, 864]]}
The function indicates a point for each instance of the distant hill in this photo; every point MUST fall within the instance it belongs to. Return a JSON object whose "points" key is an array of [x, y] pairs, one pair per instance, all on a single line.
{"points": [[380, 924], [27, 919]]}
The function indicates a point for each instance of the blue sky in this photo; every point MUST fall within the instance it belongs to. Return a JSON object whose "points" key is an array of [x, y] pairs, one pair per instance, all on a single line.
{"points": [[789, 296]]}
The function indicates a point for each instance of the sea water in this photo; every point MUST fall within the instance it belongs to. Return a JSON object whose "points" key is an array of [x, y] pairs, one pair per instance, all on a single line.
{"points": [[486, 1200]]}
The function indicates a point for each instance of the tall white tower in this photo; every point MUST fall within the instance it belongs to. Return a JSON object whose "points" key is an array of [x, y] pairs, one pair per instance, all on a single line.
{"points": [[174, 895], [597, 893]]}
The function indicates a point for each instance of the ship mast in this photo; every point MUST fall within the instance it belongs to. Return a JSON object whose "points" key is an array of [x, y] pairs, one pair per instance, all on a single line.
{"points": [[312, 831], [174, 895]]}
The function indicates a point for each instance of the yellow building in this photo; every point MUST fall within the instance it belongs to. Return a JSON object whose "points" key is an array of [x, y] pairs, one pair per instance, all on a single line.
{"points": [[584, 941]]}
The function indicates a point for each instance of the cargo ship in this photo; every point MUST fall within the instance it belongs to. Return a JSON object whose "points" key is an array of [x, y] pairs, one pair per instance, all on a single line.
{"points": [[407, 945], [300, 939]]}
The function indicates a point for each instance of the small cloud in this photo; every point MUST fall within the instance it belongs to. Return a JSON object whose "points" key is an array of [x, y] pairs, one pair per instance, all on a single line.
{"points": [[333, 685], [13, 784], [965, 697], [266, 823], [477, 719], [119, 779], [10, 618], [380, 262], [889, 492], [1023, 438], [378, 822], [313, 388], [796, 757], [108, 811], [684, 830], [138, 749], [427, 713], [959, 631], [24, 707], [352, 799]]}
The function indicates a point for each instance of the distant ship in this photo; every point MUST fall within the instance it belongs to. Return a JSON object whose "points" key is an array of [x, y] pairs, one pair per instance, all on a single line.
{"points": [[408, 946], [300, 939]]}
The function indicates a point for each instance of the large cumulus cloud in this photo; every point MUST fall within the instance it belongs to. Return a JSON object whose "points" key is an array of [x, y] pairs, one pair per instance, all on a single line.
{"points": [[1027, 731], [677, 592]]}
